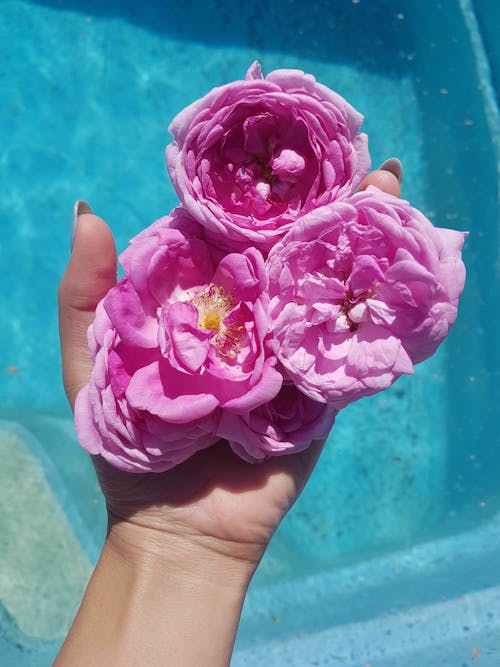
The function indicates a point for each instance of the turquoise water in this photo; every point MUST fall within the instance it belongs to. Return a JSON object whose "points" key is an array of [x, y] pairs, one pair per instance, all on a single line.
{"points": [[407, 489]]}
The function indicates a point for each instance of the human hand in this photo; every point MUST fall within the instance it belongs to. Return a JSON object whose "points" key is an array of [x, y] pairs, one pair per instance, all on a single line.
{"points": [[207, 520], [215, 498]]}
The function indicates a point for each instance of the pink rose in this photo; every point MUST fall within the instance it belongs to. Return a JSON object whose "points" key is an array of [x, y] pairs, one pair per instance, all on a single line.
{"points": [[252, 156], [360, 291], [285, 425], [133, 440], [178, 338]]}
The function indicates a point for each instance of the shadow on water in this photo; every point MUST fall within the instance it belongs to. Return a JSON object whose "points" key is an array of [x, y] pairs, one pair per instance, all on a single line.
{"points": [[368, 35]]}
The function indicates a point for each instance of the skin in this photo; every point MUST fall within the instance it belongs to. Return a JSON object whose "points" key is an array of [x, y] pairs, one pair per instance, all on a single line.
{"points": [[384, 180], [182, 545]]}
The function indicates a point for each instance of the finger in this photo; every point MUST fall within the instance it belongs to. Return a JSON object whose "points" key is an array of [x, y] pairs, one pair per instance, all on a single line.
{"points": [[303, 463], [90, 273], [386, 178]]}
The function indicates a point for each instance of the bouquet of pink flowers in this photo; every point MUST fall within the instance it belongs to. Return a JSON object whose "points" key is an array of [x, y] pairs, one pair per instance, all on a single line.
{"points": [[273, 295]]}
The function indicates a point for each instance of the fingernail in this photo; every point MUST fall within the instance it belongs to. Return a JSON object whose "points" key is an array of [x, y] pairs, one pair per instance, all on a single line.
{"points": [[394, 166], [79, 208]]}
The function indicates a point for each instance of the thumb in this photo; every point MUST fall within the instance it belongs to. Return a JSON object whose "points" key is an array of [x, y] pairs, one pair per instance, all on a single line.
{"points": [[387, 177], [91, 272]]}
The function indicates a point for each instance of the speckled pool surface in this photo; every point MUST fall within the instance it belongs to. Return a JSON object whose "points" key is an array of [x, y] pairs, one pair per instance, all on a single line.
{"points": [[392, 555]]}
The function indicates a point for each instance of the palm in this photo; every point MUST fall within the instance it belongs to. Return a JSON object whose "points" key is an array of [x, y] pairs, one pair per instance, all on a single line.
{"points": [[213, 495]]}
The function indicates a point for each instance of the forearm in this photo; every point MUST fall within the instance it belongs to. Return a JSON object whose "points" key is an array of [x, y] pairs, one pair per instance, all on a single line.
{"points": [[168, 606]]}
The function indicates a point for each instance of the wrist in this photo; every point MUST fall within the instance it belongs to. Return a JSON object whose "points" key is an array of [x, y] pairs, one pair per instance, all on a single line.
{"points": [[195, 559], [157, 600]]}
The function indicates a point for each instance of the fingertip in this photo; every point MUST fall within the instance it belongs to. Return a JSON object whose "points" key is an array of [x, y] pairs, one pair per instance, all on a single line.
{"points": [[93, 234], [384, 180], [92, 268], [80, 207]]}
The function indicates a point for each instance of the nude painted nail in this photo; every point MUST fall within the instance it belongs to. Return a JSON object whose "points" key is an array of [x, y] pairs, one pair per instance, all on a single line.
{"points": [[394, 166], [79, 208]]}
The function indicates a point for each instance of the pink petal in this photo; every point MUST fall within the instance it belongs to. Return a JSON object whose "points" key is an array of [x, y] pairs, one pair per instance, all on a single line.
{"points": [[189, 344], [124, 308], [166, 397], [84, 422], [265, 390]]}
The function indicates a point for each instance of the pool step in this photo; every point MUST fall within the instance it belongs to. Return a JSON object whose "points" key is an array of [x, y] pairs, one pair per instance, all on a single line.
{"points": [[456, 632], [43, 565]]}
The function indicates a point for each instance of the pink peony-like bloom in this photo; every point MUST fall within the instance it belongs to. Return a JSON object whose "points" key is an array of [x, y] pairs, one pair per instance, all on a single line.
{"points": [[106, 423], [252, 156], [360, 291], [285, 425], [180, 337]]}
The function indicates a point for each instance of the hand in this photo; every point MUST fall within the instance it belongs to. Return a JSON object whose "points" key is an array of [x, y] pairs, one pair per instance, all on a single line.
{"points": [[214, 500], [207, 520], [214, 497]]}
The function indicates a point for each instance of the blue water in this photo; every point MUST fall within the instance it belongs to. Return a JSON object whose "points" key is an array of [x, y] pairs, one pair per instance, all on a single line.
{"points": [[409, 479]]}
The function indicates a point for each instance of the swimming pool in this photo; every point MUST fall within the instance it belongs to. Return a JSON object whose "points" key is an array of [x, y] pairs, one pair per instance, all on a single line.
{"points": [[391, 556]]}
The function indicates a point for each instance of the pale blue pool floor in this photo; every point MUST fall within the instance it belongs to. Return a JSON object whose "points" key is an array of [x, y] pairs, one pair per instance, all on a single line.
{"points": [[437, 600]]}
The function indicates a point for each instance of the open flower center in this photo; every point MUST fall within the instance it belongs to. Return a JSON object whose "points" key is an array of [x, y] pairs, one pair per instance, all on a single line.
{"points": [[353, 307], [214, 305], [211, 321]]}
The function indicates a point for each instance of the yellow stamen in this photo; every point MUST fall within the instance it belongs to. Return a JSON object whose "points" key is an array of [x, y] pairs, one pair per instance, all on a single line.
{"points": [[214, 305], [211, 321]]}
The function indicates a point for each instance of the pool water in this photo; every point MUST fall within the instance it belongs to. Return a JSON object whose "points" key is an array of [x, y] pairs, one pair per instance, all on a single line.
{"points": [[391, 555]]}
